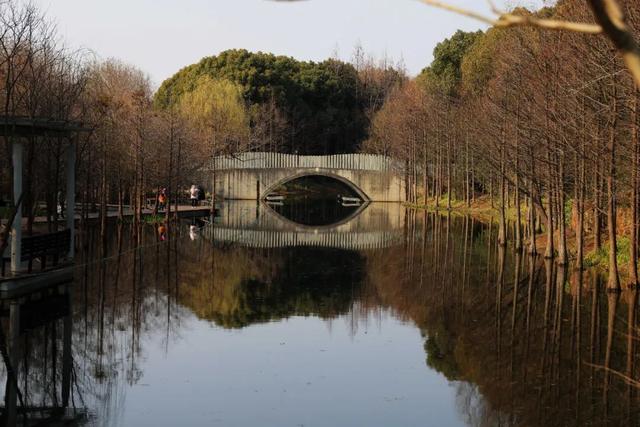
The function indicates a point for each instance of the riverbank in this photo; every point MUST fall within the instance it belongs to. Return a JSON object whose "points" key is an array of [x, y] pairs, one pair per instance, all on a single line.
{"points": [[482, 209]]}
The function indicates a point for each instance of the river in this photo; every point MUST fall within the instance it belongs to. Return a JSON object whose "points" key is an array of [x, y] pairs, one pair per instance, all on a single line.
{"points": [[318, 315]]}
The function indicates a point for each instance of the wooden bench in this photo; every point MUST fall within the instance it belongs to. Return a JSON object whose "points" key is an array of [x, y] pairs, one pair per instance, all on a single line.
{"points": [[43, 246]]}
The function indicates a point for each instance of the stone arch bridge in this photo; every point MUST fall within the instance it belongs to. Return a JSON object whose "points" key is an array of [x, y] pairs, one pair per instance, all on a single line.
{"points": [[252, 176]]}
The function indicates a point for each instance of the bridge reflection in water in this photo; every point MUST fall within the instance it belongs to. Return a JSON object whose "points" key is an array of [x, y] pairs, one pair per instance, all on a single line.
{"points": [[372, 226]]}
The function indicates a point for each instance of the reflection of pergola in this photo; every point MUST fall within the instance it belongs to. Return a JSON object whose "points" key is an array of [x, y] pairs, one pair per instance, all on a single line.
{"points": [[17, 127], [29, 304]]}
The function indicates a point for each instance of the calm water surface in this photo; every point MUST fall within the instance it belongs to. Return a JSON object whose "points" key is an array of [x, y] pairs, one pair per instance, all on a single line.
{"points": [[372, 316]]}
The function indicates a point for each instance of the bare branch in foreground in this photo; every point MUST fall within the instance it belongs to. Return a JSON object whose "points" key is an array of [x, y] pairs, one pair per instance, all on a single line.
{"points": [[504, 20], [608, 14]]}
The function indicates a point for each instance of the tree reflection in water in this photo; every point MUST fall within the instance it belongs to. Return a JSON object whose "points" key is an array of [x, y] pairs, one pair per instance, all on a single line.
{"points": [[524, 342]]}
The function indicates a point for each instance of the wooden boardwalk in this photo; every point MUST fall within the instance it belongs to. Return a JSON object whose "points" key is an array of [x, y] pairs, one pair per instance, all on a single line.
{"points": [[112, 213]]}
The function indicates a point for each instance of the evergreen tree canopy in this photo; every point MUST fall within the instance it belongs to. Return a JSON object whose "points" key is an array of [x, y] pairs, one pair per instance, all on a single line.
{"points": [[445, 72], [324, 103]]}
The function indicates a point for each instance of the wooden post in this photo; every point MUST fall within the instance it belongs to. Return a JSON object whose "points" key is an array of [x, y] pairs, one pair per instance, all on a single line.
{"points": [[16, 227], [71, 196]]}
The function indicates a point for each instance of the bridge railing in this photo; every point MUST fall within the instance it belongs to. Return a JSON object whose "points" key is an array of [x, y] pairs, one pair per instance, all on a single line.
{"points": [[280, 239], [265, 160]]}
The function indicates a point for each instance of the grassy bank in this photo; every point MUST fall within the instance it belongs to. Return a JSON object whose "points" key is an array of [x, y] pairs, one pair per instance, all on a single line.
{"points": [[483, 210]]}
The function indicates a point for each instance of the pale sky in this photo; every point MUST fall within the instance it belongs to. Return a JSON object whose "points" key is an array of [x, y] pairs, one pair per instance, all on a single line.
{"points": [[162, 36]]}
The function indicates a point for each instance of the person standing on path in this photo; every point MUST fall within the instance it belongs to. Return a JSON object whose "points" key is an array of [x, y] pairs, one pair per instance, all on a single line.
{"points": [[162, 198], [193, 192]]}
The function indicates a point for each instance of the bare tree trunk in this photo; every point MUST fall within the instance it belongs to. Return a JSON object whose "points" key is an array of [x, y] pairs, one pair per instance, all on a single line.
{"points": [[178, 176], [502, 231], [633, 232], [518, 233], [449, 189], [120, 200], [167, 208], [533, 250], [580, 185], [550, 250], [156, 201], [563, 256], [613, 283], [103, 196], [438, 177], [467, 171], [414, 169], [425, 166], [407, 180], [597, 218]]}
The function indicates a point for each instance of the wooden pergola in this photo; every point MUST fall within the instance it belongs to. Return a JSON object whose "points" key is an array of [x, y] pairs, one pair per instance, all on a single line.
{"points": [[18, 127]]}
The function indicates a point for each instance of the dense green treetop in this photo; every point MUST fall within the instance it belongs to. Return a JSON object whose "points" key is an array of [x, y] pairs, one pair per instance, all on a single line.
{"points": [[260, 74], [324, 103], [445, 72], [478, 65]]}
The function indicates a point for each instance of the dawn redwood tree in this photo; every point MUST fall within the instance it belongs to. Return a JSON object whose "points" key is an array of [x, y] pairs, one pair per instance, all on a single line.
{"points": [[549, 121]]}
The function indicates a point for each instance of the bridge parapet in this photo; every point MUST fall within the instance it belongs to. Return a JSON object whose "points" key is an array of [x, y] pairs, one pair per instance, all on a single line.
{"points": [[265, 160], [252, 176]]}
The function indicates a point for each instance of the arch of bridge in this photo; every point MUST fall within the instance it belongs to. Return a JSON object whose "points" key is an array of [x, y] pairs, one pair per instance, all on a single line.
{"points": [[293, 174]]}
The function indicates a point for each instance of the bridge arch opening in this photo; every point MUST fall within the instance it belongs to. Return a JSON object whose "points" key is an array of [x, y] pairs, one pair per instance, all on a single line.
{"points": [[318, 184], [315, 201]]}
